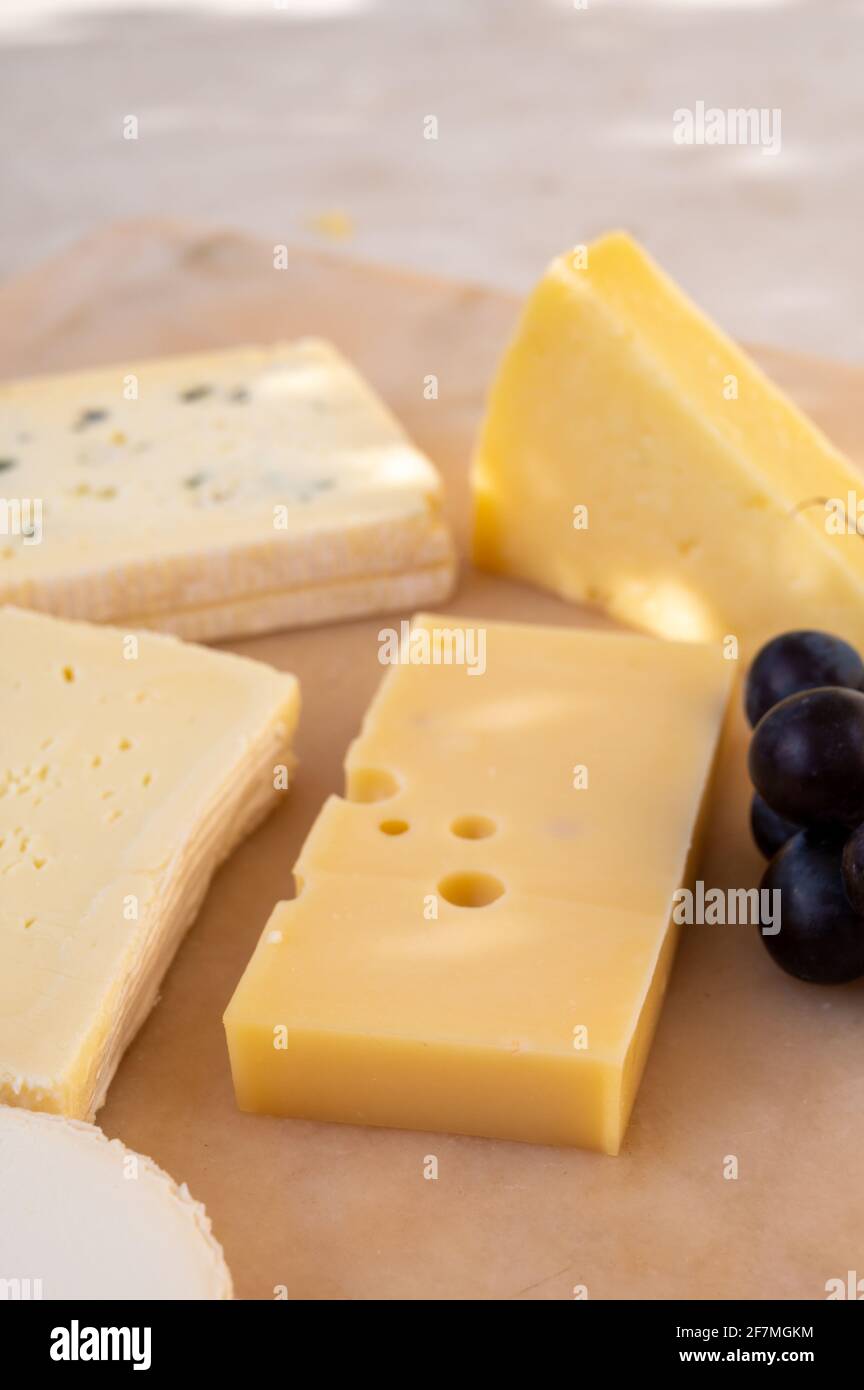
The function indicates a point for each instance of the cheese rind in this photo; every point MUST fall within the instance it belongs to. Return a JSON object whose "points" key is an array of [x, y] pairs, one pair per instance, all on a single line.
{"points": [[215, 494], [701, 489], [82, 1217], [130, 767], [308, 607], [381, 996]]}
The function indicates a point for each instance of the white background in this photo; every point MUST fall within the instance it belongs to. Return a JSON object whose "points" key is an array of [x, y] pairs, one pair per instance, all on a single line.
{"points": [[555, 123]]}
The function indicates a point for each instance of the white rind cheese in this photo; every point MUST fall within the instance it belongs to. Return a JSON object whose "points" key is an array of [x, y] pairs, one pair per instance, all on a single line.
{"points": [[82, 1217], [130, 768], [217, 494]]}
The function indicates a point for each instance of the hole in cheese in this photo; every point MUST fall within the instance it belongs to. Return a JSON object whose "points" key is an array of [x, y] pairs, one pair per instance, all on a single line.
{"points": [[470, 889], [473, 827], [393, 827]]}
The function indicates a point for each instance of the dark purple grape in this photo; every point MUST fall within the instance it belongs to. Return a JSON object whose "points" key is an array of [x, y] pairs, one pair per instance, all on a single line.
{"points": [[807, 757], [821, 937], [853, 869], [770, 831], [797, 661]]}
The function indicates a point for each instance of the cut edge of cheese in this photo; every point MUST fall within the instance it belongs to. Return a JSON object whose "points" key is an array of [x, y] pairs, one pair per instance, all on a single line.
{"points": [[236, 805], [651, 1006], [563, 430], [313, 606], [68, 1192]]}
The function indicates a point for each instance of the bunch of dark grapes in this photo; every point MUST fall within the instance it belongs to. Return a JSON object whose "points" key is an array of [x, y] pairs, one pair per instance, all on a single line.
{"points": [[804, 700]]}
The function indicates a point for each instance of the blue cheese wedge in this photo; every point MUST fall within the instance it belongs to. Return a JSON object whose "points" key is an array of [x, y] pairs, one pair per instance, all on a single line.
{"points": [[130, 767], [82, 1217], [215, 495]]}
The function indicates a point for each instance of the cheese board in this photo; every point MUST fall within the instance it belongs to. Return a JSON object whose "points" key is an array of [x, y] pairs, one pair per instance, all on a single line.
{"points": [[740, 1171]]}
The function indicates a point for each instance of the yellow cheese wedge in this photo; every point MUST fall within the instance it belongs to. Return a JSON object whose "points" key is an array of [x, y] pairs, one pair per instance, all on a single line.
{"points": [[481, 938], [83, 1217], [215, 495], [130, 767], [634, 458]]}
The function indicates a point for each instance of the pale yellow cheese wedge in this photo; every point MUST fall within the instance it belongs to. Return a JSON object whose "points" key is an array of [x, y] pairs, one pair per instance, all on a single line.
{"points": [[215, 495], [634, 458], [82, 1217], [130, 767], [481, 941]]}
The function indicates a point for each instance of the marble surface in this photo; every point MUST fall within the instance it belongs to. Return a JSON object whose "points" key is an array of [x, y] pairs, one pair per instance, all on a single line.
{"points": [[303, 121]]}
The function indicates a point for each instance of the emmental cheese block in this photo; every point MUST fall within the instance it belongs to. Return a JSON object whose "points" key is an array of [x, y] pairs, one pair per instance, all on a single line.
{"points": [[634, 458], [130, 767], [82, 1217], [481, 938], [215, 495]]}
